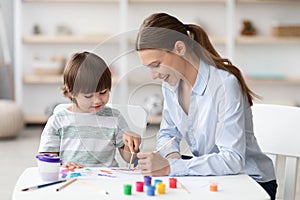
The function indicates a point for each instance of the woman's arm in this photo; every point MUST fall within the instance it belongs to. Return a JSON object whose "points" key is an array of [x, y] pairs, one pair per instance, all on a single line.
{"points": [[167, 131], [156, 163], [226, 129]]}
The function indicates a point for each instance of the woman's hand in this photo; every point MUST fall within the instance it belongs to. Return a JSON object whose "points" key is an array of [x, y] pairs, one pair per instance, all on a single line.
{"points": [[72, 165], [174, 155], [153, 164], [132, 141]]}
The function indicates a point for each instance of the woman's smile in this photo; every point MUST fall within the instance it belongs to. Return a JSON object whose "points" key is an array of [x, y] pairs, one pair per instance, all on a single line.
{"points": [[164, 77]]}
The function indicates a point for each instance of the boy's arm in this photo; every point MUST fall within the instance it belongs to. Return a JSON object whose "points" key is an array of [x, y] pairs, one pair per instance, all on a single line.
{"points": [[70, 165], [132, 142], [126, 154], [55, 153]]}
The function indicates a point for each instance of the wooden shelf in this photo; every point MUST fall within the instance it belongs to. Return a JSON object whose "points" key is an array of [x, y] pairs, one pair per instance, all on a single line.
{"points": [[177, 1], [142, 79], [36, 119], [252, 40], [68, 39], [42, 119], [43, 79], [47, 39], [272, 81], [71, 1], [267, 1], [51, 79], [154, 119], [218, 40], [267, 40], [130, 1], [215, 40]]}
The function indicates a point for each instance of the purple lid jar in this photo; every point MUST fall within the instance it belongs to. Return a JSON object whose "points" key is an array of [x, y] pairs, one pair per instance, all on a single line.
{"points": [[48, 158]]}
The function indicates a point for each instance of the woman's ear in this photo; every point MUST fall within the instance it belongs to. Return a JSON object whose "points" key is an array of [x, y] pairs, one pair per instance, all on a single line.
{"points": [[179, 48]]}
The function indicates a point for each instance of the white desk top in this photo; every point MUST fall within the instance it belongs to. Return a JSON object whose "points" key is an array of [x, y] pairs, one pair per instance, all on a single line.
{"points": [[92, 187]]}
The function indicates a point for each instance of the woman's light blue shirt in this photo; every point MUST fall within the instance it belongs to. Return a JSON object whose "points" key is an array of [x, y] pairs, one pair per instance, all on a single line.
{"points": [[218, 129]]}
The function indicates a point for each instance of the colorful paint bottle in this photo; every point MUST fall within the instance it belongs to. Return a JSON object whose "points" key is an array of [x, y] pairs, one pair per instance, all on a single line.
{"points": [[156, 181], [172, 182], [213, 187], [127, 189], [150, 190], [147, 180], [139, 186], [161, 188]]}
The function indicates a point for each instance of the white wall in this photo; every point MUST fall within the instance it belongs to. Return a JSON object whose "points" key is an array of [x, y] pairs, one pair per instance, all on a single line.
{"points": [[7, 15], [86, 18]]}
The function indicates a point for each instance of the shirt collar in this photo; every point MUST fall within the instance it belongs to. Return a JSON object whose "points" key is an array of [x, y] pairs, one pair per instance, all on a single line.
{"points": [[202, 78]]}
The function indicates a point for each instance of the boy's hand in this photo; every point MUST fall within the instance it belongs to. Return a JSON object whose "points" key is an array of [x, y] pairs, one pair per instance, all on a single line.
{"points": [[72, 165], [132, 141]]}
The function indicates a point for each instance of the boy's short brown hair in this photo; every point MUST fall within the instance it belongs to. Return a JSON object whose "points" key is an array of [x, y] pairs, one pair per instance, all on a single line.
{"points": [[85, 73]]}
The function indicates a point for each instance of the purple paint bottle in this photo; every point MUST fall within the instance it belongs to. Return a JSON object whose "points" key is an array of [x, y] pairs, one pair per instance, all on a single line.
{"points": [[147, 180]]}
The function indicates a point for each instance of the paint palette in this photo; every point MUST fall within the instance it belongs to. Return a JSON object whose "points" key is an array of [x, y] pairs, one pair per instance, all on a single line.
{"points": [[97, 172], [86, 172]]}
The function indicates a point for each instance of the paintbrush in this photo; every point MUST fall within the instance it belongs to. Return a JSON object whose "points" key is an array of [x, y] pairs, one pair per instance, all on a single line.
{"points": [[130, 162], [95, 187], [162, 147], [165, 145], [183, 187], [43, 185], [66, 184]]}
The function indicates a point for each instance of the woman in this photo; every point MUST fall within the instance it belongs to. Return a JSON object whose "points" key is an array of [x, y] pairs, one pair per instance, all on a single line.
{"points": [[206, 101]]}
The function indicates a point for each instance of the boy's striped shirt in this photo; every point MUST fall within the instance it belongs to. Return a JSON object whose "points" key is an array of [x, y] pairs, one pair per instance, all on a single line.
{"points": [[85, 138]]}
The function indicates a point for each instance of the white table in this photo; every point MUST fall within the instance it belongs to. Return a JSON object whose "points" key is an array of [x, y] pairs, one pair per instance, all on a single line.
{"points": [[229, 187]]}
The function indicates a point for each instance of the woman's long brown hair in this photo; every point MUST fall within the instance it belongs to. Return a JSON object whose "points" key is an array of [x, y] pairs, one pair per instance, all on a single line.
{"points": [[162, 31]]}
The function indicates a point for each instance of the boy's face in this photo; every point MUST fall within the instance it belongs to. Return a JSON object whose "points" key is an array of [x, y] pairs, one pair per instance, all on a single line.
{"points": [[91, 102]]}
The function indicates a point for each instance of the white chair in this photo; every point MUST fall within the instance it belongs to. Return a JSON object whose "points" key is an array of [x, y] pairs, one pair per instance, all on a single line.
{"points": [[277, 129], [136, 118]]}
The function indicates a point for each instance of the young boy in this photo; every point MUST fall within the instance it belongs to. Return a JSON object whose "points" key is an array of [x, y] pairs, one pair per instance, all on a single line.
{"points": [[86, 132]]}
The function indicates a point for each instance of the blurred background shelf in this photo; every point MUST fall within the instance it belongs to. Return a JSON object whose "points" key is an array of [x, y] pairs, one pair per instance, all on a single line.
{"points": [[179, 1], [42, 119], [36, 119], [68, 39], [267, 40], [51, 79], [91, 30], [274, 81], [43, 79], [266, 1], [71, 1]]}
